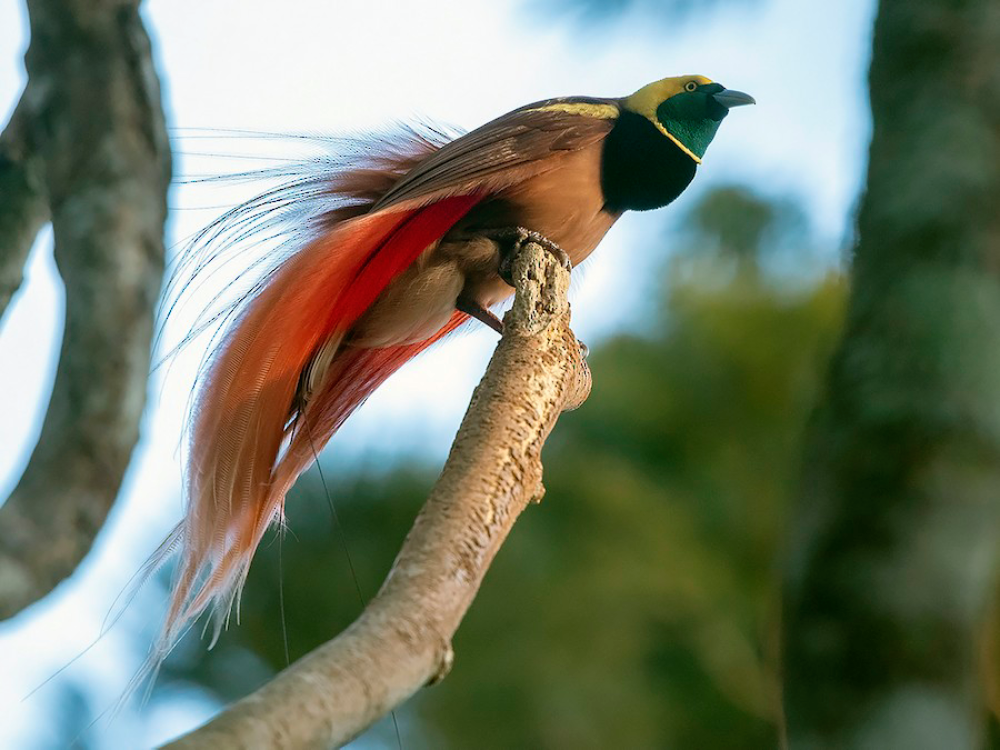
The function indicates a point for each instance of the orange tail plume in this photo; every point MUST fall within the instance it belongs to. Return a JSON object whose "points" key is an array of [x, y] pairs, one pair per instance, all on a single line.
{"points": [[251, 435]]}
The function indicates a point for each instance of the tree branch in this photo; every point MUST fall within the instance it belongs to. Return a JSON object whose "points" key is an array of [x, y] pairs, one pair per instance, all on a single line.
{"points": [[402, 640], [98, 126], [23, 209]]}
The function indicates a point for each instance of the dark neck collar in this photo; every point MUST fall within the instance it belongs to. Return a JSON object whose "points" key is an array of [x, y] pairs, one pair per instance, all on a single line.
{"points": [[641, 168]]}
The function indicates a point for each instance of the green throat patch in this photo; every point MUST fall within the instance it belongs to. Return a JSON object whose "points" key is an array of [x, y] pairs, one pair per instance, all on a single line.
{"points": [[687, 119]]}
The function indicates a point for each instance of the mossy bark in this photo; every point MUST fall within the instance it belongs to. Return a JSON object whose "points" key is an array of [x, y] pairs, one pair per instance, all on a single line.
{"points": [[894, 549]]}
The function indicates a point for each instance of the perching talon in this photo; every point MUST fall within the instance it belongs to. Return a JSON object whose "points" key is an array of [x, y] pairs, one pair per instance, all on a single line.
{"points": [[512, 239]]}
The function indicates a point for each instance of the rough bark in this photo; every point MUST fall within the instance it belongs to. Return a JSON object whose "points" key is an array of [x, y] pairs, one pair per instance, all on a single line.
{"points": [[23, 209], [96, 130], [895, 547], [402, 640]]}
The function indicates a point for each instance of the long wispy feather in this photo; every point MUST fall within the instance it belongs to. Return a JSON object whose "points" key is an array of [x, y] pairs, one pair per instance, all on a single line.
{"points": [[313, 256]]}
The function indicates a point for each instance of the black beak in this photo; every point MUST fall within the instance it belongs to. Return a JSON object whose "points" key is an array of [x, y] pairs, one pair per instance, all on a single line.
{"points": [[729, 98]]}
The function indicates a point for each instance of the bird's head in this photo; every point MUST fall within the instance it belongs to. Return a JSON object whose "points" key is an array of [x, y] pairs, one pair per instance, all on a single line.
{"points": [[686, 109]]}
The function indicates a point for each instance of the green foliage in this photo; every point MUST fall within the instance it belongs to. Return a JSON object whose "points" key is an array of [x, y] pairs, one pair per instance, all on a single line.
{"points": [[637, 605], [735, 221]]}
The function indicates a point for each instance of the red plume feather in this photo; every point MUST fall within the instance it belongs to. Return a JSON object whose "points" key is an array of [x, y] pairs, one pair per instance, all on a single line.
{"points": [[252, 434], [238, 471]]}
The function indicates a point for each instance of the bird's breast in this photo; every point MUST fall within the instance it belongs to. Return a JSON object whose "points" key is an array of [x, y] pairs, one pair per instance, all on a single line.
{"points": [[563, 202]]}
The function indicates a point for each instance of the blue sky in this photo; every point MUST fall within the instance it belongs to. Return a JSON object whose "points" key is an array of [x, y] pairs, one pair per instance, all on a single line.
{"points": [[307, 66]]}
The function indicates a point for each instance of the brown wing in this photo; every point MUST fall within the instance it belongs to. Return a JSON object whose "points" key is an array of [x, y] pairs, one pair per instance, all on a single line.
{"points": [[508, 149]]}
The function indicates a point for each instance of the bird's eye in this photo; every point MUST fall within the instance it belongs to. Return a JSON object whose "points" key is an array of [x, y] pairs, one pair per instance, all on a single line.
{"points": [[690, 86]]}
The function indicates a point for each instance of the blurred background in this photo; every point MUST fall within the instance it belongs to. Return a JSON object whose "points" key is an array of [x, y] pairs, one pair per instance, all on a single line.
{"points": [[638, 605]]}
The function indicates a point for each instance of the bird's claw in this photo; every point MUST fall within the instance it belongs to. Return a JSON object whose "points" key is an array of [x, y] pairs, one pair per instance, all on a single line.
{"points": [[512, 239]]}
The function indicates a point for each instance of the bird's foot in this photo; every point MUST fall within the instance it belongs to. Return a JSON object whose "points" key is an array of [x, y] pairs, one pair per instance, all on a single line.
{"points": [[512, 239]]}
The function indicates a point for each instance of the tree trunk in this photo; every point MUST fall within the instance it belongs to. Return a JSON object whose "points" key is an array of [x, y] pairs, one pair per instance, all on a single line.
{"points": [[894, 549]]}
